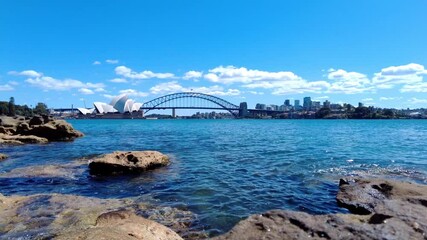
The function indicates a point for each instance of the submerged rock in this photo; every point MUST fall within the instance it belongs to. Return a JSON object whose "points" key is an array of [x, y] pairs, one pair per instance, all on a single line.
{"points": [[383, 209], [39, 129], [19, 139], [47, 216], [3, 156], [68, 171], [127, 162]]}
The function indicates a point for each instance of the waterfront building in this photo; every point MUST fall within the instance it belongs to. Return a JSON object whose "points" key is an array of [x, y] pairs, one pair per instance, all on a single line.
{"points": [[287, 102], [315, 105], [360, 104], [119, 104], [260, 106], [307, 103], [326, 104]]}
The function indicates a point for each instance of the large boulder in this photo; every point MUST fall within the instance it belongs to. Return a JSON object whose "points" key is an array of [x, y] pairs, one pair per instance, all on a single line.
{"points": [[37, 130], [58, 130], [384, 210], [127, 162]]}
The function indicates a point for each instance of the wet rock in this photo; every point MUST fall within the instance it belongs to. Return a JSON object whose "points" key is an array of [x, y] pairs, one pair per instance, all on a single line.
{"points": [[19, 140], [384, 209], [68, 171], [123, 224], [127, 162], [3, 156], [47, 216]]}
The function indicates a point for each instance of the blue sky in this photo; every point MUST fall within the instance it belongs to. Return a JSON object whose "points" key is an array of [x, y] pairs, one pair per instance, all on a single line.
{"points": [[64, 52]]}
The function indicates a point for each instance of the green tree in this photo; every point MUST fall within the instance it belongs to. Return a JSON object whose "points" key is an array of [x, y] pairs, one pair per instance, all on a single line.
{"points": [[323, 112], [41, 108], [12, 107], [4, 109]]}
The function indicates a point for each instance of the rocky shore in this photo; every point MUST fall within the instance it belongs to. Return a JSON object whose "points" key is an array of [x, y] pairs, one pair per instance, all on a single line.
{"points": [[380, 209], [38, 129]]}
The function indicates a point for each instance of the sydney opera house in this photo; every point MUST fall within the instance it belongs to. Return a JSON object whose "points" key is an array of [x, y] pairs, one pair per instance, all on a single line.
{"points": [[119, 106]]}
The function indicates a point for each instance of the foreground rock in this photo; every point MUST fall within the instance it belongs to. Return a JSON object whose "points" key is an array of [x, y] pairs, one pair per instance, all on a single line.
{"points": [[39, 129], [383, 209], [123, 224], [127, 162], [47, 216]]}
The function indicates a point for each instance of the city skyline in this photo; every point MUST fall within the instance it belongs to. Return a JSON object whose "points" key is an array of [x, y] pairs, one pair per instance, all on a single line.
{"points": [[257, 52]]}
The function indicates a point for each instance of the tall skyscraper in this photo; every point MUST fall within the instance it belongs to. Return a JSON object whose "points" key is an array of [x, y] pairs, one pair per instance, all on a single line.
{"points": [[287, 102], [307, 103], [296, 104]]}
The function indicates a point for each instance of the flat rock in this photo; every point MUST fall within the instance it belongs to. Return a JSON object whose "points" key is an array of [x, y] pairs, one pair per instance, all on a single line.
{"points": [[127, 162], [123, 224], [384, 209], [47, 216], [19, 139]]}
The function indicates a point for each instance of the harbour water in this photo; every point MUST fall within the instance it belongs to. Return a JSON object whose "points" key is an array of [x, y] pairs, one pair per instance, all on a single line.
{"points": [[226, 170]]}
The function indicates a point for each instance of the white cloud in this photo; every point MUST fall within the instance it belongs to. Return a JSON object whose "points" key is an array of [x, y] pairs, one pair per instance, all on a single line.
{"points": [[27, 73], [100, 89], [96, 63], [231, 74], [394, 75], [119, 80], [108, 96], [6, 87], [416, 87], [348, 82], [14, 83], [256, 93], [49, 83], [112, 61], [280, 82], [367, 100], [417, 101], [174, 86], [192, 75], [389, 98], [86, 91], [133, 92], [127, 72]]}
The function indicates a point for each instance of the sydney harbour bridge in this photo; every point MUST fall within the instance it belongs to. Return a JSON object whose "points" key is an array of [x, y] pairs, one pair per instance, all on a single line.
{"points": [[194, 100]]}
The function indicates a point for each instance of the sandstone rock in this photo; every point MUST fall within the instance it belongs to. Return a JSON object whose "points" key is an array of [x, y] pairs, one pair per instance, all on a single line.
{"points": [[47, 216], [386, 210], [3, 156], [19, 140], [38, 126], [127, 162], [123, 224]]}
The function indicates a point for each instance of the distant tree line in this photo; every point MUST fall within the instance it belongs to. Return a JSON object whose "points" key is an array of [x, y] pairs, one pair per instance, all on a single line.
{"points": [[361, 112], [11, 109]]}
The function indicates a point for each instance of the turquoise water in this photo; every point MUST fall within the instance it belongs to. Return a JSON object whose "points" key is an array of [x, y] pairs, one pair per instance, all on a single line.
{"points": [[225, 170]]}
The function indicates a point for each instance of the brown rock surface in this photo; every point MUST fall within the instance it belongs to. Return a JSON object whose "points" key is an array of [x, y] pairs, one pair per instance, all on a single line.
{"points": [[387, 210], [123, 224], [47, 216], [127, 162], [39, 129]]}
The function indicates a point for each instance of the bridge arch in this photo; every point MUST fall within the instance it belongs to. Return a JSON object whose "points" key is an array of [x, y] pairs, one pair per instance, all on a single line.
{"points": [[163, 102]]}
